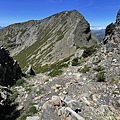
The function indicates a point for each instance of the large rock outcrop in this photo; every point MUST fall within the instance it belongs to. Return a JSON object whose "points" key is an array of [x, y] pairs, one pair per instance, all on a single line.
{"points": [[9, 69], [112, 38], [111, 48], [49, 40]]}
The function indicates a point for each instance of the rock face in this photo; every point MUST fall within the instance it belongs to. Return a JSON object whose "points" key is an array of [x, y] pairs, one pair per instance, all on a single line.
{"points": [[111, 48], [9, 69], [48, 40], [112, 38]]}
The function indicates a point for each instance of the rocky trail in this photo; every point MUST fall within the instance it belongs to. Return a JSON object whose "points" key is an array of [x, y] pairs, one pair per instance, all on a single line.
{"points": [[70, 96]]}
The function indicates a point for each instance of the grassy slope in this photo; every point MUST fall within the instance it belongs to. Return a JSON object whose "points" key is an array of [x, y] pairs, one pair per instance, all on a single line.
{"points": [[28, 55]]}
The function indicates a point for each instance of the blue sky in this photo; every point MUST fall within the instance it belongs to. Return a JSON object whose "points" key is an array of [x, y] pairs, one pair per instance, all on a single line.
{"points": [[97, 12]]}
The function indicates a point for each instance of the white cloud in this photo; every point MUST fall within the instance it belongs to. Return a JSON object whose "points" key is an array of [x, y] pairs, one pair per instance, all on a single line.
{"points": [[97, 27]]}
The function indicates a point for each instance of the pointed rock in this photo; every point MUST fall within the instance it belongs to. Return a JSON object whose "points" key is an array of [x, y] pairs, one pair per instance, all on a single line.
{"points": [[30, 71]]}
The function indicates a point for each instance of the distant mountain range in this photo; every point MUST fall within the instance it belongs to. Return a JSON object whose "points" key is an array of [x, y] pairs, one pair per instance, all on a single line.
{"points": [[99, 33], [1, 27]]}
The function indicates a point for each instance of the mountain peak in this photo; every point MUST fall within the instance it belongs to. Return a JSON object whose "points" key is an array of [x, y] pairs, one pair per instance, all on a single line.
{"points": [[52, 39], [71, 13]]}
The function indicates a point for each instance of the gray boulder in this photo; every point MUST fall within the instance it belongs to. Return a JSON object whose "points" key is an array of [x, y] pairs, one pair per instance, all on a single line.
{"points": [[30, 71]]}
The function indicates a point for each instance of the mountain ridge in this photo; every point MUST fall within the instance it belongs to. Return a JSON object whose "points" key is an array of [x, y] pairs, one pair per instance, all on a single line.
{"points": [[28, 25], [100, 34], [49, 40]]}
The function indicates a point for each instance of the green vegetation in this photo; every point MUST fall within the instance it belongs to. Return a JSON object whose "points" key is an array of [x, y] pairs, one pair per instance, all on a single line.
{"points": [[28, 90], [54, 69], [113, 80], [14, 103], [14, 95], [29, 54], [100, 77], [54, 73], [23, 117], [98, 68], [88, 51], [96, 63], [85, 69], [20, 82], [32, 110], [91, 95], [75, 62], [46, 81], [32, 50]]}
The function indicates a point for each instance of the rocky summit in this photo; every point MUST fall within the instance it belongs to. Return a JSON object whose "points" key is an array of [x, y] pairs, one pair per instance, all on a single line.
{"points": [[82, 86]]}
